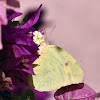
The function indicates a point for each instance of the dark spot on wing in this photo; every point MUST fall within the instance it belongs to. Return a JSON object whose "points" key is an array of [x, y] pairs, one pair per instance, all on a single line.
{"points": [[66, 63]]}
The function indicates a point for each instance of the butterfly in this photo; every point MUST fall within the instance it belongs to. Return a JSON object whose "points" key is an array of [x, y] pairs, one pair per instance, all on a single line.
{"points": [[54, 68]]}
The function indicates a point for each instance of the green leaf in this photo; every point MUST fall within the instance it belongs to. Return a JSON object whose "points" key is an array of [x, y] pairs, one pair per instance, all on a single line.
{"points": [[27, 95], [55, 68], [1, 98], [14, 23], [25, 20]]}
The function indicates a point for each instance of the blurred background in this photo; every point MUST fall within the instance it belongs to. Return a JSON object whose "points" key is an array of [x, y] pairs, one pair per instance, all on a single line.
{"points": [[77, 30]]}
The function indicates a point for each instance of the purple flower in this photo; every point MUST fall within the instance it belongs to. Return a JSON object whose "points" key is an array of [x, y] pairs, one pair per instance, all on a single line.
{"points": [[19, 52], [3, 18], [3, 15], [75, 92]]}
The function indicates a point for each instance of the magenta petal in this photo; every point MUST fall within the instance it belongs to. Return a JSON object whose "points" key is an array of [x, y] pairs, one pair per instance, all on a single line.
{"points": [[12, 14], [10, 63], [32, 20], [19, 78], [27, 70], [21, 50], [19, 90], [31, 58], [11, 30], [75, 92], [16, 51], [20, 74], [18, 38]]}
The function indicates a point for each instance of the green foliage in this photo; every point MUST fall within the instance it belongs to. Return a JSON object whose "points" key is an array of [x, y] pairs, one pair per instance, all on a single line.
{"points": [[14, 23], [27, 95], [25, 20]]}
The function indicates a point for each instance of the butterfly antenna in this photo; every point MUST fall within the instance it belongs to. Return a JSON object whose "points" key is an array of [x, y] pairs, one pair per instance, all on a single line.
{"points": [[45, 35], [52, 29]]}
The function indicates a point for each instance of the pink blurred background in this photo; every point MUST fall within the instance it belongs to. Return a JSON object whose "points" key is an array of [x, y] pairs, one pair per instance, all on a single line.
{"points": [[77, 31]]}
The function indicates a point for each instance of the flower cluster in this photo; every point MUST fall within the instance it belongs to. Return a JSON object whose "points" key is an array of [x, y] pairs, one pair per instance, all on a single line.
{"points": [[18, 53]]}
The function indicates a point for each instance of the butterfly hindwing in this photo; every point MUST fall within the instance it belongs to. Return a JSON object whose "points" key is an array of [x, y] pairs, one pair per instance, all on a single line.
{"points": [[55, 68]]}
